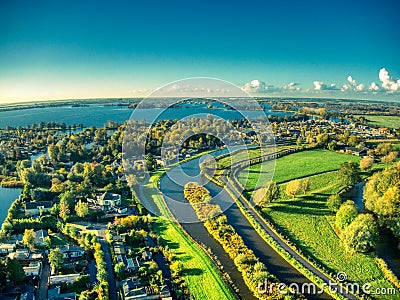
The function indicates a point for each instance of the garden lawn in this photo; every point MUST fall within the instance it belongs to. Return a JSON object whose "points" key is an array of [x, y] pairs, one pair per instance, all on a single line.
{"points": [[297, 165]]}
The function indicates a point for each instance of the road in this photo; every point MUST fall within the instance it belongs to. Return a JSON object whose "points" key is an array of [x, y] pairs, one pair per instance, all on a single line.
{"points": [[41, 293], [112, 287]]}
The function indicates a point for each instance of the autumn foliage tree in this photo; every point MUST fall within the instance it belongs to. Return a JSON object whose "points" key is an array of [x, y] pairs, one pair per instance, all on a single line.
{"points": [[293, 188], [366, 163], [382, 197], [361, 235], [267, 194]]}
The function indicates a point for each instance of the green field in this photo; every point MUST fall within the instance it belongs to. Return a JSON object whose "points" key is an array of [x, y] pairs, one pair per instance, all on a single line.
{"points": [[384, 121], [199, 273], [297, 165], [306, 221]]}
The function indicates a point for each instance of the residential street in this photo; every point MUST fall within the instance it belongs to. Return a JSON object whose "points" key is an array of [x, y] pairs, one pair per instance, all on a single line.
{"points": [[112, 287], [41, 293]]}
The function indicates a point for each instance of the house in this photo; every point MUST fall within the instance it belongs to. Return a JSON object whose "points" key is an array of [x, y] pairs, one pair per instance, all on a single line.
{"points": [[6, 248], [121, 210], [33, 269], [35, 208], [58, 279], [164, 292], [146, 255], [131, 290], [107, 201], [20, 254], [357, 151], [40, 236], [119, 249], [71, 251], [131, 264], [54, 294]]}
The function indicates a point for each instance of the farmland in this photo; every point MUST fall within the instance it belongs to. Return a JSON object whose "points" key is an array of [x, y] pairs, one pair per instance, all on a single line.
{"points": [[306, 220], [384, 121], [297, 165]]}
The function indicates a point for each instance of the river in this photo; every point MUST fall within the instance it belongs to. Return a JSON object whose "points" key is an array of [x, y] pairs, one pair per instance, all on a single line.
{"points": [[387, 246], [173, 194], [97, 115], [7, 197]]}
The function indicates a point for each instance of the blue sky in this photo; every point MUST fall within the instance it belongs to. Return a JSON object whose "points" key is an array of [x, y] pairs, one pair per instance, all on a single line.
{"points": [[68, 49]]}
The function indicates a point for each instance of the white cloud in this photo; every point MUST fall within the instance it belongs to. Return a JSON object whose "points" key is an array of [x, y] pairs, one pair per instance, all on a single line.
{"points": [[254, 86], [351, 80], [258, 86], [352, 85], [292, 86], [360, 87], [320, 86], [373, 87], [388, 83]]}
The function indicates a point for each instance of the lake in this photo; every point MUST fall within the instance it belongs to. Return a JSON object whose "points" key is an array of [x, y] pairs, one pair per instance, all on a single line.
{"points": [[97, 115], [7, 197]]}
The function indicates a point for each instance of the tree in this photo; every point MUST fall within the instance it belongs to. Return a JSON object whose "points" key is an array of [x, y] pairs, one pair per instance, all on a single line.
{"points": [[56, 258], [305, 185], [293, 188], [53, 152], [390, 157], [47, 241], [265, 195], [383, 148], [119, 270], [176, 268], [366, 163], [81, 209], [29, 238], [348, 174], [150, 162], [15, 271], [64, 211], [334, 202], [346, 214], [362, 234]]}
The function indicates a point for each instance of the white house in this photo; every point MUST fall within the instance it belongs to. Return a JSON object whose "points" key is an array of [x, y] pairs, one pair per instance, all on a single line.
{"points": [[71, 251], [57, 279], [108, 201], [7, 248], [33, 269]]}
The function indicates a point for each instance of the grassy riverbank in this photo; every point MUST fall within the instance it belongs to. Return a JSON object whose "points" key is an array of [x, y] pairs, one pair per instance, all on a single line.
{"points": [[203, 279]]}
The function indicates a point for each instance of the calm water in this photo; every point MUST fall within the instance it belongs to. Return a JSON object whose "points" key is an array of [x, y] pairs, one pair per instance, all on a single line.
{"points": [[97, 115], [7, 197]]}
